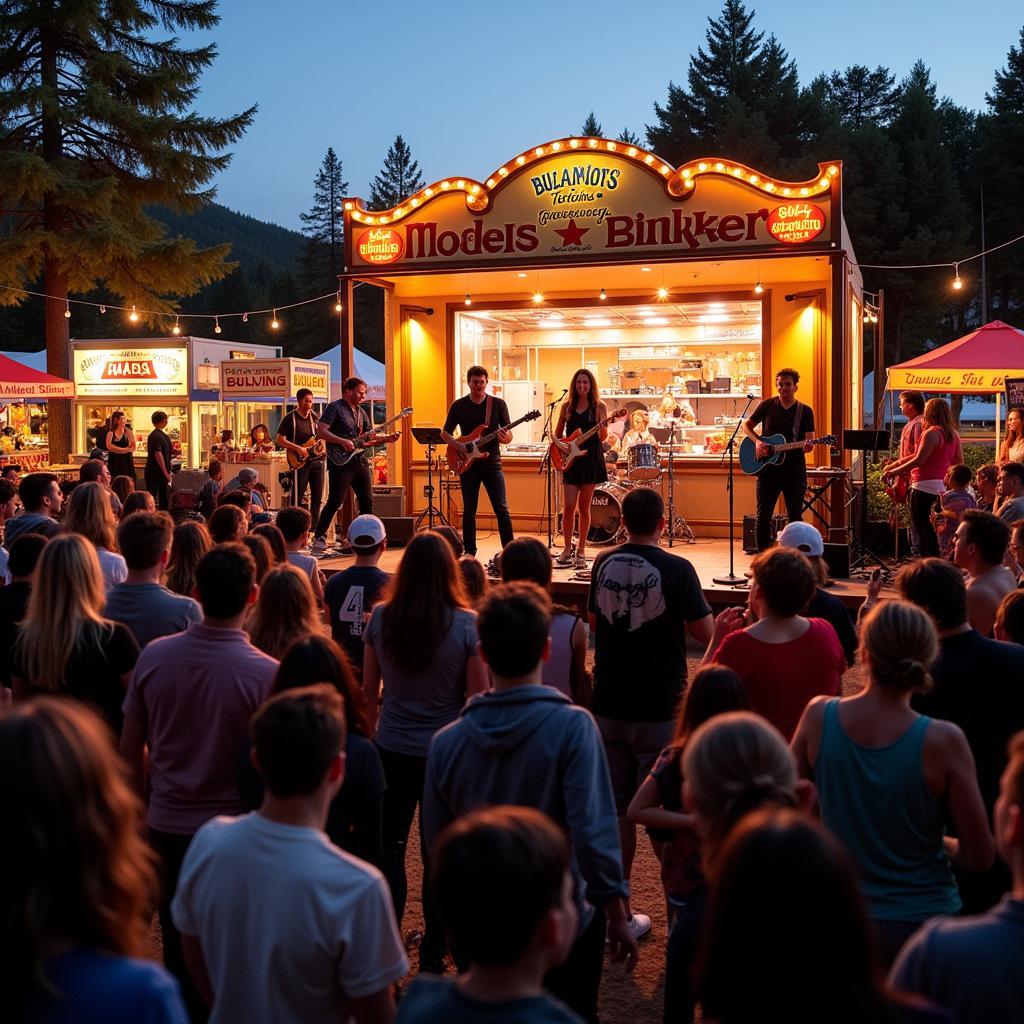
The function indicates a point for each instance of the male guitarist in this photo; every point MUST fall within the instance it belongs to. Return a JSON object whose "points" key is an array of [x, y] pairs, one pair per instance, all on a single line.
{"points": [[468, 413], [341, 422], [297, 429], [782, 415], [912, 406]]}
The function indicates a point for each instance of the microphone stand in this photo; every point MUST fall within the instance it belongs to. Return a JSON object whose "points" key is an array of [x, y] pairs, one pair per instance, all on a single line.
{"points": [[547, 468], [731, 579]]}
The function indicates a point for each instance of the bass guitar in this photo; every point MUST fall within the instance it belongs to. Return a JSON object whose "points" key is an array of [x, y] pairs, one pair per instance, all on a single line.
{"points": [[566, 451], [750, 463], [313, 449], [340, 457], [476, 440]]}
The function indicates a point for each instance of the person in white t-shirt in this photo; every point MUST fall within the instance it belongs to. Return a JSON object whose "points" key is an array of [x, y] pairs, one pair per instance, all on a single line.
{"points": [[277, 924]]}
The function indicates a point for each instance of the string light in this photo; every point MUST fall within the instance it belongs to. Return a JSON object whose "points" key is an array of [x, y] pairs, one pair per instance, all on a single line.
{"points": [[759, 288], [337, 302], [216, 325], [245, 318], [468, 300], [603, 295], [662, 293], [273, 323], [176, 329], [67, 310], [103, 308], [538, 297], [133, 316], [957, 283]]}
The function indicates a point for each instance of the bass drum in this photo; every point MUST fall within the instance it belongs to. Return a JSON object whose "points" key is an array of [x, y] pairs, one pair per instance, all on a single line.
{"points": [[642, 462], [606, 513]]}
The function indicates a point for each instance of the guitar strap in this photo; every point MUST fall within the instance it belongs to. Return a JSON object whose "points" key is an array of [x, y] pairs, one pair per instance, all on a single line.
{"points": [[796, 420], [488, 407]]}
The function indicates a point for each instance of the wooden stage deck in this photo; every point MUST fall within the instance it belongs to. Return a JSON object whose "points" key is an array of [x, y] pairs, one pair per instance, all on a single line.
{"points": [[709, 556]]}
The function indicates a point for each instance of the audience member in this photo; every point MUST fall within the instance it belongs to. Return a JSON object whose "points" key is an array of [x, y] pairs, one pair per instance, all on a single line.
{"points": [[261, 553], [122, 486], [526, 558], [141, 602], [276, 923], [524, 743], [955, 501], [421, 643], [285, 611], [138, 501], [1009, 624], [1015, 552], [65, 645], [248, 481], [88, 514], [8, 503], [189, 702], [227, 524], [25, 553], [76, 877], [1012, 447], [211, 489], [474, 579], [979, 548], [888, 779], [94, 471], [640, 597], [783, 658], [41, 501], [986, 486], [528, 930], [974, 966], [242, 499], [273, 536], [294, 524], [351, 594], [807, 538], [190, 542], [10, 472], [785, 896], [1011, 493]]}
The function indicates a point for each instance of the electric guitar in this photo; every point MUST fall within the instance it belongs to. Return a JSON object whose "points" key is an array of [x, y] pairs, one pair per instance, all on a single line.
{"points": [[561, 459], [750, 463], [315, 448], [340, 457], [897, 487], [475, 441]]}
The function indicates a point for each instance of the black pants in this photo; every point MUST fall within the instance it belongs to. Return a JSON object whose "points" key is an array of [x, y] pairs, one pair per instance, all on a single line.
{"points": [[921, 505], [487, 472], [405, 775], [156, 484], [310, 474], [355, 474], [578, 981], [171, 848], [680, 957], [791, 483]]}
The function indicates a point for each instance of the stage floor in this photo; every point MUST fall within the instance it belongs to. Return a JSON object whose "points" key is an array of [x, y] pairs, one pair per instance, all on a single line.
{"points": [[709, 556]]}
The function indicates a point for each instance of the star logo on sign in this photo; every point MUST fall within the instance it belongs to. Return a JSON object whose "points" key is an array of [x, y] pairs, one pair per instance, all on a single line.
{"points": [[571, 235]]}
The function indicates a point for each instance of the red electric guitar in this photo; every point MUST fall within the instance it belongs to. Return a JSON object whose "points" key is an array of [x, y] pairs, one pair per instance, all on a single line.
{"points": [[459, 461], [897, 487], [562, 459]]}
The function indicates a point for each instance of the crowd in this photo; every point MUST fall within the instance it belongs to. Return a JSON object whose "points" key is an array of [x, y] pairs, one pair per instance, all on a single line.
{"points": [[198, 727]]}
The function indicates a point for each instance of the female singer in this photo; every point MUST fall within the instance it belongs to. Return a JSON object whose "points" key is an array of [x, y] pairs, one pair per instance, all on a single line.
{"points": [[582, 410], [1012, 448]]}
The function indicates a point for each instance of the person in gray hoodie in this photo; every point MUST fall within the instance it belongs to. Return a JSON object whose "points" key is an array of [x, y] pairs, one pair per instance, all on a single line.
{"points": [[525, 743]]}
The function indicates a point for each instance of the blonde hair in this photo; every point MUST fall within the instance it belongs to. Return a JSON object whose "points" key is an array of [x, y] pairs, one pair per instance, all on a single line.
{"points": [[65, 611], [937, 413], [89, 514], [734, 764], [899, 643], [285, 611]]}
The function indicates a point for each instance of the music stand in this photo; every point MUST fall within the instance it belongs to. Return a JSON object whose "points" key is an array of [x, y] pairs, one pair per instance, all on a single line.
{"points": [[865, 442], [430, 438]]}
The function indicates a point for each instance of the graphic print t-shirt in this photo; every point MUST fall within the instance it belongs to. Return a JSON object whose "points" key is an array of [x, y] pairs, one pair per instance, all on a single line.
{"points": [[350, 596], [642, 597]]}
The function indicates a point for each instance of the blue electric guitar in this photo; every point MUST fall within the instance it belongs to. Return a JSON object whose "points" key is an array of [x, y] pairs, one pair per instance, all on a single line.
{"points": [[751, 464], [339, 457]]}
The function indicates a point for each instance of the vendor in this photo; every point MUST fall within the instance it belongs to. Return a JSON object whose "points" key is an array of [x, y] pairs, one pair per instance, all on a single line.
{"points": [[225, 445], [673, 408], [260, 439]]}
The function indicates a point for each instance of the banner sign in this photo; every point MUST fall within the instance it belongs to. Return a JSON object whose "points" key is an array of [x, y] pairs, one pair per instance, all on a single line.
{"points": [[274, 378], [578, 200], [15, 391], [131, 372], [966, 382]]}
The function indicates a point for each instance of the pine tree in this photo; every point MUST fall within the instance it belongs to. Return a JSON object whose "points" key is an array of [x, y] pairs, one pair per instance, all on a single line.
{"points": [[592, 128], [628, 137], [97, 119], [398, 179], [323, 224], [863, 96]]}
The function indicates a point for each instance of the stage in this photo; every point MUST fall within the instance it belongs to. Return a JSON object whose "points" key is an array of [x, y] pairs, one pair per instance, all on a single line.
{"points": [[708, 555]]}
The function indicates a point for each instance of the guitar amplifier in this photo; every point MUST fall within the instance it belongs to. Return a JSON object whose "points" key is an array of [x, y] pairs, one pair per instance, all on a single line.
{"points": [[399, 529], [389, 502], [750, 534]]}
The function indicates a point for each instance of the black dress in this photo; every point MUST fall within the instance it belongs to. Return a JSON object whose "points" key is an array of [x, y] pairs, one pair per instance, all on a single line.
{"points": [[589, 468], [120, 461]]}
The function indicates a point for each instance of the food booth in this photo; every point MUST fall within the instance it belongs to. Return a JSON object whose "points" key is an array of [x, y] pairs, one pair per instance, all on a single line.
{"points": [[678, 287], [179, 375], [24, 392], [268, 384]]}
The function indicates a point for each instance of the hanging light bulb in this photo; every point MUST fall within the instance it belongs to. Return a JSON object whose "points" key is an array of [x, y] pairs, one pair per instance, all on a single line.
{"points": [[273, 323], [957, 283], [603, 295], [662, 293], [67, 310], [538, 297], [103, 308], [176, 329], [759, 288], [216, 325], [133, 316], [245, 318], [468, 300], [337, 303]]}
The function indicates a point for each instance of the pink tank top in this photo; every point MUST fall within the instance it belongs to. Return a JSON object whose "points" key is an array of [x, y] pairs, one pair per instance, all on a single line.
{"points": [[941, 458]]}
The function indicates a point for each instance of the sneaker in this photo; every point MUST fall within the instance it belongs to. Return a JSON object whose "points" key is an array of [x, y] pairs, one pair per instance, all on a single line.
{"points": [[639, 925], [319, 546]]}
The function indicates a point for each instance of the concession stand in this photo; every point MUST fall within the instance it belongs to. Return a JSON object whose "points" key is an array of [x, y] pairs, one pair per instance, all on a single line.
{"points": [[23, 394], [180, 375], [683, 290]]}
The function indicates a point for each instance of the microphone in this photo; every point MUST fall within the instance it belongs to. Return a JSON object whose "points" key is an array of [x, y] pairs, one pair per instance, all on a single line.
{"points": [[750, 398], [565, 391]]}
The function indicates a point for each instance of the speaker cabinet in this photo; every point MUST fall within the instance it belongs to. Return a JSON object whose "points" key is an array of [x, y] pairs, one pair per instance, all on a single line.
{"points": [[389, 502], [399, 530], [837, 558], [750, 533]]}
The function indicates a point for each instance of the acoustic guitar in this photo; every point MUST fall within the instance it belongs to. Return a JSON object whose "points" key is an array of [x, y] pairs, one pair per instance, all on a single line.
{"points": [[313, 449], [339, 457], [751, 464], [561, 459], [476, 440]]}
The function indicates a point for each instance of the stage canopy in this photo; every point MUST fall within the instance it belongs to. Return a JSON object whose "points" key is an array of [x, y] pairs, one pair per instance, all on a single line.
{"points": [[20, 383], [978, 363], [369, 369]]}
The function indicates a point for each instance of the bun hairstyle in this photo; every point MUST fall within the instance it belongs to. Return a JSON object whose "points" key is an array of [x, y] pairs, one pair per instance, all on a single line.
{"points": [[900, 644], [734, 764]]}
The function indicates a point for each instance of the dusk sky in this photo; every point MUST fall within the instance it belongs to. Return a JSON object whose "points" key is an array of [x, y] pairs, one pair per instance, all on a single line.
{"points": [[469, 85]]}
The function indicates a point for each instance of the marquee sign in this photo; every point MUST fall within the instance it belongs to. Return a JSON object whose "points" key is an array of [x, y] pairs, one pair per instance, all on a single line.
{"points": [[580, 200], [274, 378], [138, 372]]}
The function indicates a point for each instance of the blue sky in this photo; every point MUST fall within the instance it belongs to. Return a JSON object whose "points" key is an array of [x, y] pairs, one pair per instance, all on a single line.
{"points": [[470, 84]]}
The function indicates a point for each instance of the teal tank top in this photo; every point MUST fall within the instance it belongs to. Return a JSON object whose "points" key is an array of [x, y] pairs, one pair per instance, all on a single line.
{"points": [[876, 802]]}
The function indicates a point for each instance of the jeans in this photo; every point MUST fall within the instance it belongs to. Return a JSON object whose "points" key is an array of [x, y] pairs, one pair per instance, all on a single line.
{"points": [[311, 475], [921, 505], [405, 775], [487, 472], [791, 483], [354, 474]]}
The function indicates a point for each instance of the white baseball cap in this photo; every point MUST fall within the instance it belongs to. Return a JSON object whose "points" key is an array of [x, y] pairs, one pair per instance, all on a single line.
{"points": [[804, 537], [366, 531]]}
